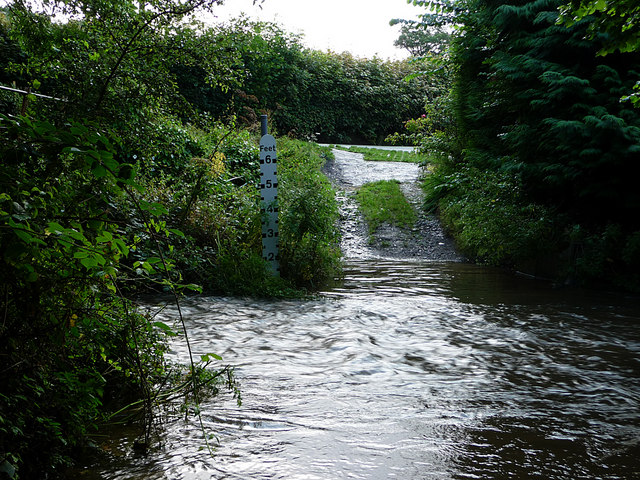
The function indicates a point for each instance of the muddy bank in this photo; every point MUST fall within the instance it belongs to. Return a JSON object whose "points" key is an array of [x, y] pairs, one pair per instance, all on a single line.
{"points": [[426, 240]]}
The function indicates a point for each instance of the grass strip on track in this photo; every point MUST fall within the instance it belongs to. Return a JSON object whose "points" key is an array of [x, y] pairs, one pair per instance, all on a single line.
{"points": [[383, 202], [383, 155]]}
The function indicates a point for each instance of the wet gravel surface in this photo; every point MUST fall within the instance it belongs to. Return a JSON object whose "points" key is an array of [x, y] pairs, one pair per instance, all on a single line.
{"points": [[426, 240]]}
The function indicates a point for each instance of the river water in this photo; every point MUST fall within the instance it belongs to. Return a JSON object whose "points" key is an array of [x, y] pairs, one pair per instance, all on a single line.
{"points": [[410, 369], [413, 370]]}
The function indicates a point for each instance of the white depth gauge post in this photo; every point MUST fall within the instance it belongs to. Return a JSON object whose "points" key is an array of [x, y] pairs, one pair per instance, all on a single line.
{"points": [[269, 197]]}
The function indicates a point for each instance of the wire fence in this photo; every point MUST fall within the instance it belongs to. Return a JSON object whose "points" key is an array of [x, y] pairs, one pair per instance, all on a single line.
{"points": [[26, 97]]}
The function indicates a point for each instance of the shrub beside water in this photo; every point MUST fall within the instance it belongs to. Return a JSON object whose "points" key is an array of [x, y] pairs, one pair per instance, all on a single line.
{"points": [[72, 347], [488, 216], [85, 222], [308, 217], [494, 223], [214, 199]]}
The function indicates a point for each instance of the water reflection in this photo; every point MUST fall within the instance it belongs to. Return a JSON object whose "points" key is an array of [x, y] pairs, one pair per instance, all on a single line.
{"points": [[414, 370]]}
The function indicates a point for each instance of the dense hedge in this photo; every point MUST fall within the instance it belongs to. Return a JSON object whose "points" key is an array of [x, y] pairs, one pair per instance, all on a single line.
{"points": [[309, 94], [536, 123]]}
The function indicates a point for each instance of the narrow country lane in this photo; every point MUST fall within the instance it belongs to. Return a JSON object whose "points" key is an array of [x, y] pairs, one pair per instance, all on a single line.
{"points": [[425, 241]]}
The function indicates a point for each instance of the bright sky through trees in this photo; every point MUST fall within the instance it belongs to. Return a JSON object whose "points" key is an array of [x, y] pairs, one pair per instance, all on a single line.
{"points": [[357, 26]]}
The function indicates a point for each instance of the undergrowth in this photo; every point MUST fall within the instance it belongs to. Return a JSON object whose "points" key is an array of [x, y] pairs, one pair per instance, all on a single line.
{"points": [[489, 217], [308, 218], [88, 219], [494, 223]]}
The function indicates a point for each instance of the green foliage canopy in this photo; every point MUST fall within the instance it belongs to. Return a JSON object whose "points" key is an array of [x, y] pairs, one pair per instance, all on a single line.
{"points": [[116, 60], [308, 94], [533, 98], [619, 20], [537, 110]]}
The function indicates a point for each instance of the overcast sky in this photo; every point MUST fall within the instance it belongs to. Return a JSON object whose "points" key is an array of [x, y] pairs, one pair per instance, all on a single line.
{"points": [[357, 26]]}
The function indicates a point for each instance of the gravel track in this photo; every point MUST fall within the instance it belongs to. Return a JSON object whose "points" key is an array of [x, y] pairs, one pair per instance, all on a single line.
{"points": [[425, 241]]}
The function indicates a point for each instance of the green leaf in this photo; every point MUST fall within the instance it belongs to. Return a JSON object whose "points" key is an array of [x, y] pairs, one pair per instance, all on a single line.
{"points": [[165, 328], [99, 171], [89, 262], [55, 227], [121, 246], [104, 237], [154, 208], [193, 287], [70, 232], [209, 356]]}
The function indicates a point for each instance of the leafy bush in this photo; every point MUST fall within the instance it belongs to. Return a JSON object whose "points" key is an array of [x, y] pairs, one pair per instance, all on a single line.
{"points": [[168, 148], [69, 342], [308, 94], [490, 218], [308, 215], [218, 210]]}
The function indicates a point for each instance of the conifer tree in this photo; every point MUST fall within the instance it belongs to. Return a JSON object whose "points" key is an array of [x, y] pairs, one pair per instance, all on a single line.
{"points": [[534, 98]]}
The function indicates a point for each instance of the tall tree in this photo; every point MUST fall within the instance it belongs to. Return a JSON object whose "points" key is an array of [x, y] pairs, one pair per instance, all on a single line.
{"points": [[533, 98], [419, 40]]}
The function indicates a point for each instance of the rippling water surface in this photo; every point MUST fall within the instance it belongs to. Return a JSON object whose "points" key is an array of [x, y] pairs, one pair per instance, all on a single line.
{"points": [[414, 371]]}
